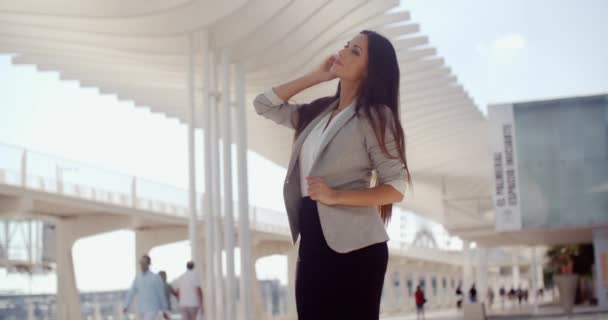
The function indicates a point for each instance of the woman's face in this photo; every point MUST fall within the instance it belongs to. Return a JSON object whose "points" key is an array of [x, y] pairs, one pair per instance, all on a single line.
{"points": [[351, 63]]}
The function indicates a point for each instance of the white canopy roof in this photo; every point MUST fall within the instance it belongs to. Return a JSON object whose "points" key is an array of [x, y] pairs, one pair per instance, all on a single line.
{"points": [[138, 50]]}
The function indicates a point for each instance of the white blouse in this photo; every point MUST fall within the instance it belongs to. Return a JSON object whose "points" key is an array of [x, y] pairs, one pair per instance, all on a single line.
{"points": [[310, 147]]}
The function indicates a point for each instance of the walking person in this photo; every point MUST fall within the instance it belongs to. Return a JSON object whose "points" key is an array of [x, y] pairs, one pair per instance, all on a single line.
{"points": [[341, 142], [459, 298], [168, 289], [420, 301], [189, 293], [149, 288], [473, 294], [512, 296], [502, 292]]}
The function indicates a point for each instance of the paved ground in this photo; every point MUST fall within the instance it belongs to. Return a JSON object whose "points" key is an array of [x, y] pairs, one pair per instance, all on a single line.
{"points": [[543, 313]]}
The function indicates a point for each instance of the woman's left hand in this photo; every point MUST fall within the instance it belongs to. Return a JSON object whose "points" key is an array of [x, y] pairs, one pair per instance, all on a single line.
{"points": [[318, 190]]}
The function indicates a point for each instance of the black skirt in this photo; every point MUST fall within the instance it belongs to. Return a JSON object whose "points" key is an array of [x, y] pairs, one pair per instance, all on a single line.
{"points": [[332, 285]]}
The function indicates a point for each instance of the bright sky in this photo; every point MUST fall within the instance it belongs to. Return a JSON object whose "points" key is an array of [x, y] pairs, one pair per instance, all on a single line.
{"points": [[514, 50], [500, 50]]}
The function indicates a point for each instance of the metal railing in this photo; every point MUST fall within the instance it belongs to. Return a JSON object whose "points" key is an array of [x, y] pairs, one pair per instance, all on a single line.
{"points": [[40, 172]]}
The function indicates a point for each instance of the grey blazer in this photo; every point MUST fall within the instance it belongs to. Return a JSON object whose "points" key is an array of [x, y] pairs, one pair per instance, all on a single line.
{"points": [[346, 158]]}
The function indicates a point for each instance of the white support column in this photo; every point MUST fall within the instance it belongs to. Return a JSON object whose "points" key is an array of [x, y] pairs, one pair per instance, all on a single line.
{"points": [[449, 291], [259, 308], [402, 290], [428, 288], [118, 308], [143, 245], [68, 297], [411, 305], [97, 311], [292, 261], [467, 268], [228, 200], [217, 199], [395, 277], [534, 275], [210, 292], [30, 242], [24, 169], [406, 299], [30, 310], [399, 291], [482, 273], [244, 231], [441, 290], [516, 282], [193, 221], [454, 276], [67, 231], [389, 289], [134, 192]]}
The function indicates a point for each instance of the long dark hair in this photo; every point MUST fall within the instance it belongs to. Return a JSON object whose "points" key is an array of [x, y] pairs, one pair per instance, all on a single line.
{"points": [[378, 90]]}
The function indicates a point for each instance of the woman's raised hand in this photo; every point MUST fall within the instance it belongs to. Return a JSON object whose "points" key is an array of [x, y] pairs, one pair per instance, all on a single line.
{"points": [[323, 72]]}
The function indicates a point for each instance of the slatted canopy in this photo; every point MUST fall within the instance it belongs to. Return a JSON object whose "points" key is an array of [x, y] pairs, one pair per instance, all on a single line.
{"points": [[138, 50]]}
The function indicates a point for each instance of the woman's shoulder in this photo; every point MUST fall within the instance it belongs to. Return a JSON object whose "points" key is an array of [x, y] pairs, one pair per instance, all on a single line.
{"points": [[377, 118]]}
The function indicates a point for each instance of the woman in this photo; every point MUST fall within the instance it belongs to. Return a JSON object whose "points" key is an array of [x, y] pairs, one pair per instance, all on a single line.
{"points": [[347, 168], [420, 301]]}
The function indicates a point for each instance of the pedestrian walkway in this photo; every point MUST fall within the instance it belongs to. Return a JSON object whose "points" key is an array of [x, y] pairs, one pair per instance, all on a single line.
{"points": [[544, 313]]}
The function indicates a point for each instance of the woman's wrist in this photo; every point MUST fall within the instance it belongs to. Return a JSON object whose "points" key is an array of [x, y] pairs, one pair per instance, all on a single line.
{"points": [[337, 197], [313, 78]]}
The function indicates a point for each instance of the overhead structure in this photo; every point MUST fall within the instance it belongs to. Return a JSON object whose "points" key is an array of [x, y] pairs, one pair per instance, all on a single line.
{"points": [[176, 56]]}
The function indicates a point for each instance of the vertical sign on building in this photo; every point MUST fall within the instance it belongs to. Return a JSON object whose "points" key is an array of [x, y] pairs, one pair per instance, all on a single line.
{"points": [[504, 158]]}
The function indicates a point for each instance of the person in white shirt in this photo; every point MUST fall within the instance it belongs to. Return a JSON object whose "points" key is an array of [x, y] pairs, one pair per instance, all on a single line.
{"points": [[189, 292]]}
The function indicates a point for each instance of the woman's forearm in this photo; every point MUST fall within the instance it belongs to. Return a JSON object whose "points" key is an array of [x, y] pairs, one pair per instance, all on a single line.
{"points": [[287, 90], [376, 196]]}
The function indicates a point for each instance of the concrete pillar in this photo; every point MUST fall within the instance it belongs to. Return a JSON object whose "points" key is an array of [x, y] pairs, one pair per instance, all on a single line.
{"points": [[452, 292], [515, 277], [534, 275], [118, 314], [67, 231], [244, 230], [397, 285], [193, 216], [404, 298], [228, 199], [30, 311], [442, 285], [24, 169], [467, 268], [292, 262], [390, 297], [428, 289], [209, 198], [482, 273], [415, 274], [68, 297], [258, 303], [215, 192], [97, 312], [134, 192]]}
